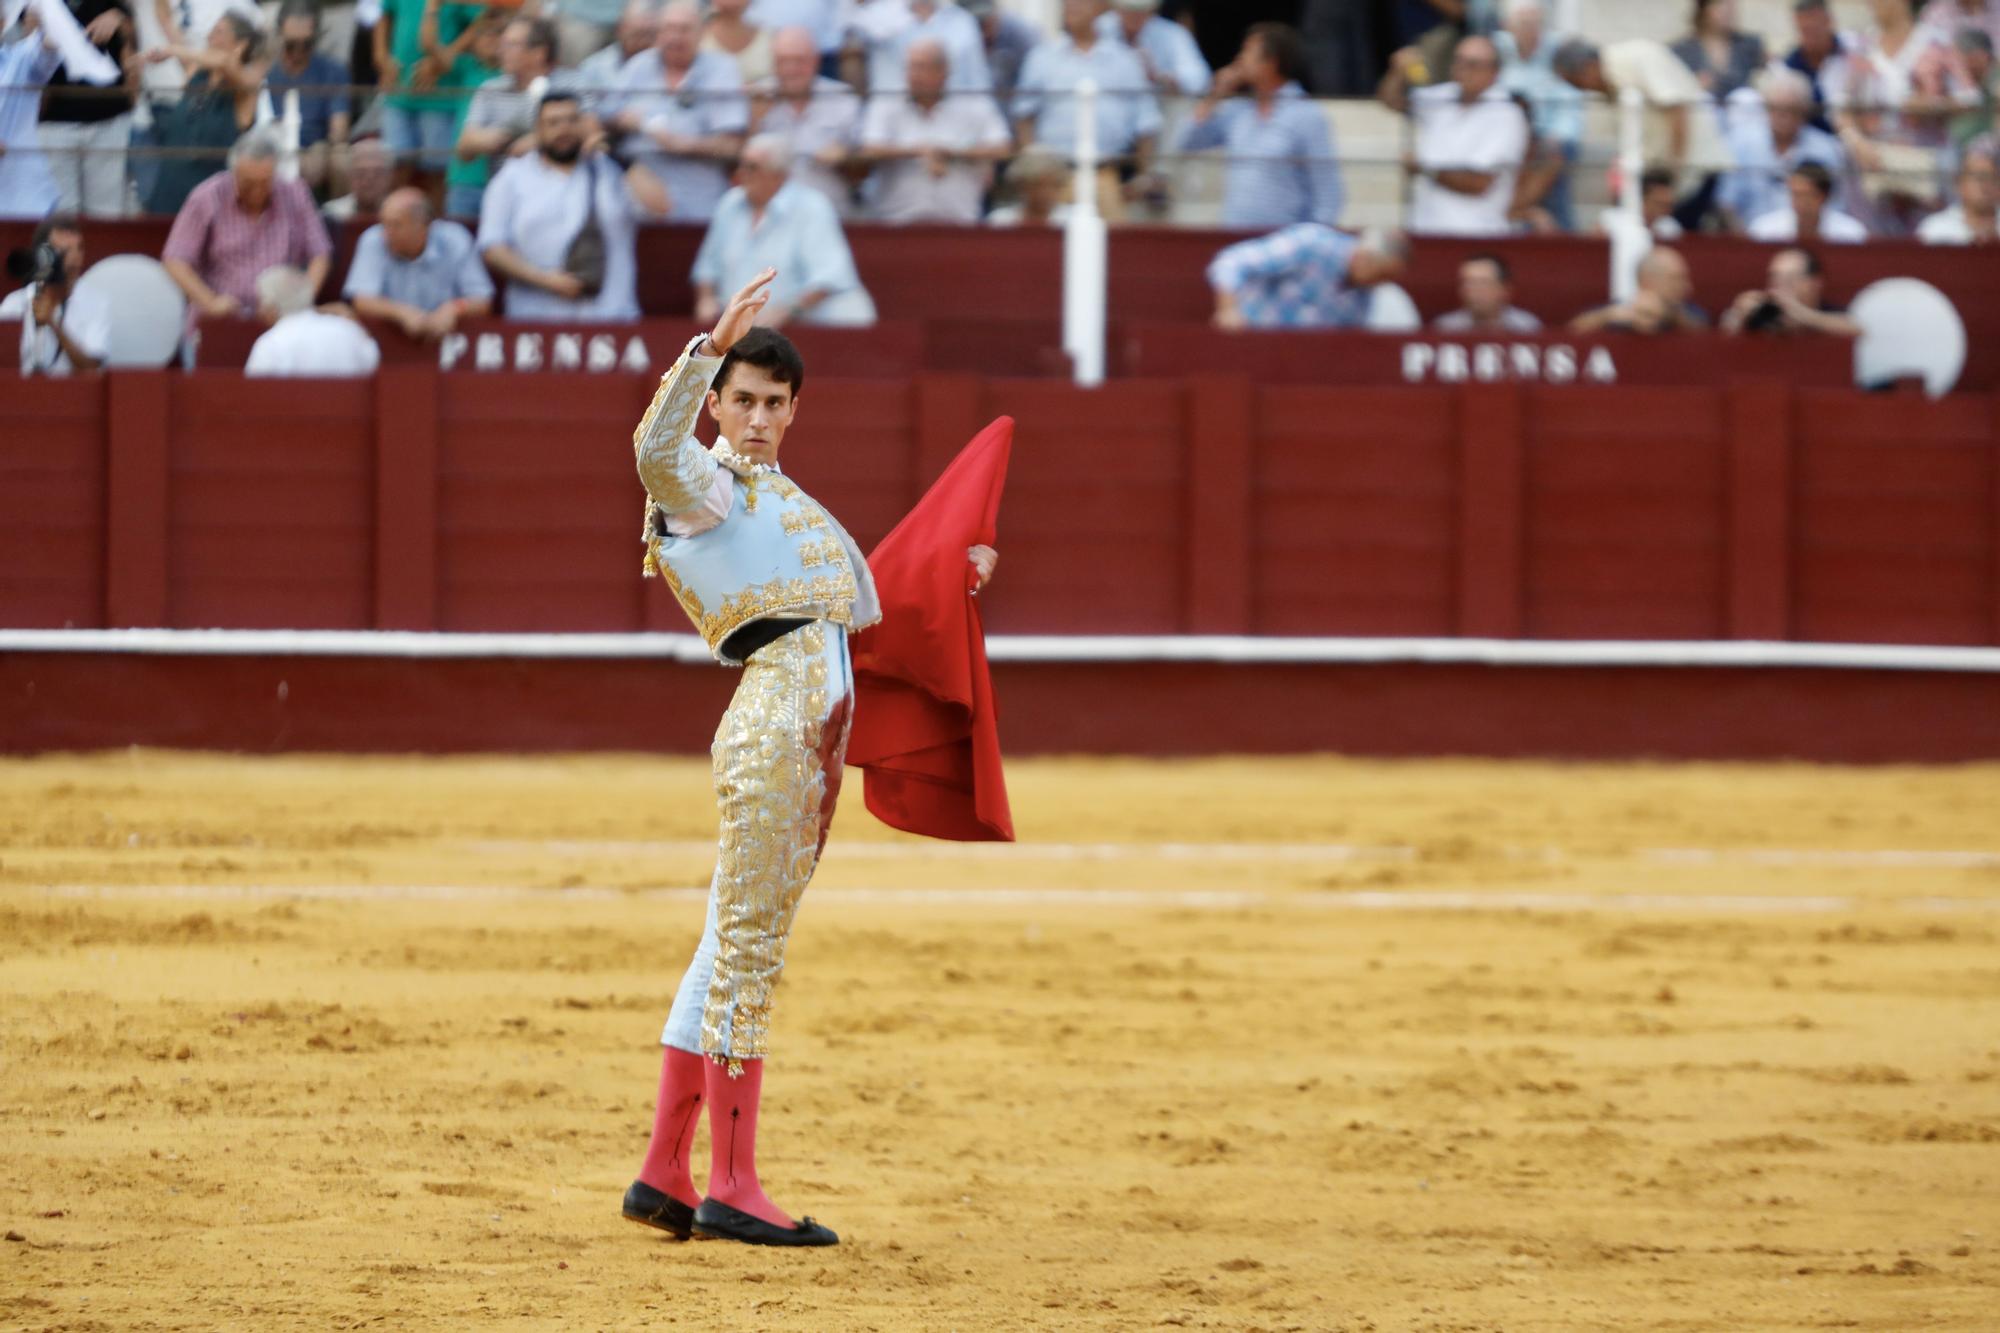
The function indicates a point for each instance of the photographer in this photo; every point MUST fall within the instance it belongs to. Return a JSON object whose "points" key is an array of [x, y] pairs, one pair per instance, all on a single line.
{"points": [[62, 330], [1792, 302]]}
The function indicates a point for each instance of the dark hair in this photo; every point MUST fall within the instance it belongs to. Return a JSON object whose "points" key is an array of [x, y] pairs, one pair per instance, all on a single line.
{"points": [[1283, 47], [1814, 268], [1809, 6], [555, 96], [541, 33], [1820, 178], [297, 9], [1488, 257], [1654, 177], [54, 223], [771, 352], [1974, 41], [1702, 7], [246, 32]]}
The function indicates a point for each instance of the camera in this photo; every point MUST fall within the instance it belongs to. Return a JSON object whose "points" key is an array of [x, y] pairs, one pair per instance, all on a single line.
{"points": [[1766, 317], [38, 264]]}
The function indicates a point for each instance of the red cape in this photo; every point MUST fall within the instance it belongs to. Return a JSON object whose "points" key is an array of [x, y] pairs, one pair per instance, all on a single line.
{"points": [[925, 720]]}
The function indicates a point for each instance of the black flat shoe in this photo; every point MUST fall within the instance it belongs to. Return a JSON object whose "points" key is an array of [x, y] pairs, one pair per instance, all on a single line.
{"points": [[649, 1207], [721, 1222]]}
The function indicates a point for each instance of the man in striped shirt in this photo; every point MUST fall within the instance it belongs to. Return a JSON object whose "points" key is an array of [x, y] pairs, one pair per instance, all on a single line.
{"points": [[238, 223]]}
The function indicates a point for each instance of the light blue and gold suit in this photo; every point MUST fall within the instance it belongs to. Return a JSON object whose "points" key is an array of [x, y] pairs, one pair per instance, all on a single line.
{"points": [[780, 748]]}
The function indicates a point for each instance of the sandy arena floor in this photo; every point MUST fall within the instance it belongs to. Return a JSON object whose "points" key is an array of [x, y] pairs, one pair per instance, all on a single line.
{"points": [[331, 1043]]}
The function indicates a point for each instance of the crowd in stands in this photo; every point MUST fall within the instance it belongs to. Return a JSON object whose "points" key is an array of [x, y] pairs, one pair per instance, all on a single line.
{"points": [[554, 128]]}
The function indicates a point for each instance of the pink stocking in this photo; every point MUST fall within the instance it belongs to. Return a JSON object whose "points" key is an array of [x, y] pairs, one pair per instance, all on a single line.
{"points": [[682, 1084], [732, 1140]]}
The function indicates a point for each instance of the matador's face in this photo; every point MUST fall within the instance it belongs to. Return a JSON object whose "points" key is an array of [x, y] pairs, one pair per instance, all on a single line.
{"points": [[753, 411]]}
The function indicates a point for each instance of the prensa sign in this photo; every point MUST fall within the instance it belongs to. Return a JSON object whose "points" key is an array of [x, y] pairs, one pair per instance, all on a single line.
{"points": [[527, 351], [1492, 363]]}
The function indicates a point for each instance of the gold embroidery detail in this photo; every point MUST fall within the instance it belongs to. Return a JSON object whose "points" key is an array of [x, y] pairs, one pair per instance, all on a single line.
{"points": [[668, 422], [797, 521], [827, 552], [777, 759]]}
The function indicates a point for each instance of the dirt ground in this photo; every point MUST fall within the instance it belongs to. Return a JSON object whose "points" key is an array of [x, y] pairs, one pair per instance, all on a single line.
{"points": [[1317, 1044]]}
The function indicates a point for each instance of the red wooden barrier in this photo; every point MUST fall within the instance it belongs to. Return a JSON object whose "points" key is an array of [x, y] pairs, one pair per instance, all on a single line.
{"points": [[1215, 504]]}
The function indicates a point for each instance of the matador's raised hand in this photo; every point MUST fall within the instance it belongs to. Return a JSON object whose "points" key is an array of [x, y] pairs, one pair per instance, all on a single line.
{"points": [[740, 314]]}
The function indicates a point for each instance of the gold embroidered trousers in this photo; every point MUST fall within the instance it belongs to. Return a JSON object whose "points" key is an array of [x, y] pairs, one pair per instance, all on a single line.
{"points": [[778, 757]]}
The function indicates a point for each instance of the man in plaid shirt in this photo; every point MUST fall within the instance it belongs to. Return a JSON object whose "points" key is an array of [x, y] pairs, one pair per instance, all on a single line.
{"points": [[1306, 276]]}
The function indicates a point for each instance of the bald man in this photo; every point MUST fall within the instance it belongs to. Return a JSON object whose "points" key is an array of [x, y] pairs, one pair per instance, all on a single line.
{"points": [[1660, 305], [420, 273]]}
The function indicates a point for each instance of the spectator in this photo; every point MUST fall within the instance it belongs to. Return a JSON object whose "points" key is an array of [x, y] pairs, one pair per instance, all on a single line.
{"points": [[1950, 18], [884, 30], [1555, 110], [933, 151], [417, 42], [1657, 196], [419, 273], [1978, 119], [62, 329], [26, 188], [536, 207], [500, 122], [1769, 146], [1339, 38], [819, 17], [301, 341], [1039, 179], [1892, 95], [1007, 39], [324, 113], [1792, 301], [1471, 139], [1304, 276], [1681, 130], [638, 28], [819, 117], [218, 104], [1810, 216], [465, 178], [1660, 305], [86, 128], [1971, 221], [1282, 167], [371, 170], [1165, 49], [238, 223], [1128, 115], [1486, 301], [584, 27], [1820, 44], [769, 222], [681, 112], [727, 32], [1719, 55]]}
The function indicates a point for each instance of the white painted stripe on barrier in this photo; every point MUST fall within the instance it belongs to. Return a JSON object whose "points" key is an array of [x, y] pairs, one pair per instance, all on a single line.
{"points": [[1243, 650], [1364, 900]]}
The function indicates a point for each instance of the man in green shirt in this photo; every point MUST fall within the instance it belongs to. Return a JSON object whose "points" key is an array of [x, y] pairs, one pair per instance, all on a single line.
{"points": [[418, 44]]}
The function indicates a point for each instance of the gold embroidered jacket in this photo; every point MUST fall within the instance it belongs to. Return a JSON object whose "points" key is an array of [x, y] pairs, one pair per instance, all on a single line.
{"points": [[778, 553]]}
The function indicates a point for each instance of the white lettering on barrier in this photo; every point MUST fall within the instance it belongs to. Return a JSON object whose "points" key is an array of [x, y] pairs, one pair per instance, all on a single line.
{"points": [[490, 352], [602, 354], [1493, 363], [568, 352], [451, 349], [527, 351]]}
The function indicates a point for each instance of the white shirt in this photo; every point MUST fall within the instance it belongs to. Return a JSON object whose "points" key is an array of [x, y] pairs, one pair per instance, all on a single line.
{"points": [[958, 123], [536, 208], [1664, 81], [1947, 228], [84, 317], [1783, 225], [314, 345], [1490, 135]]}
